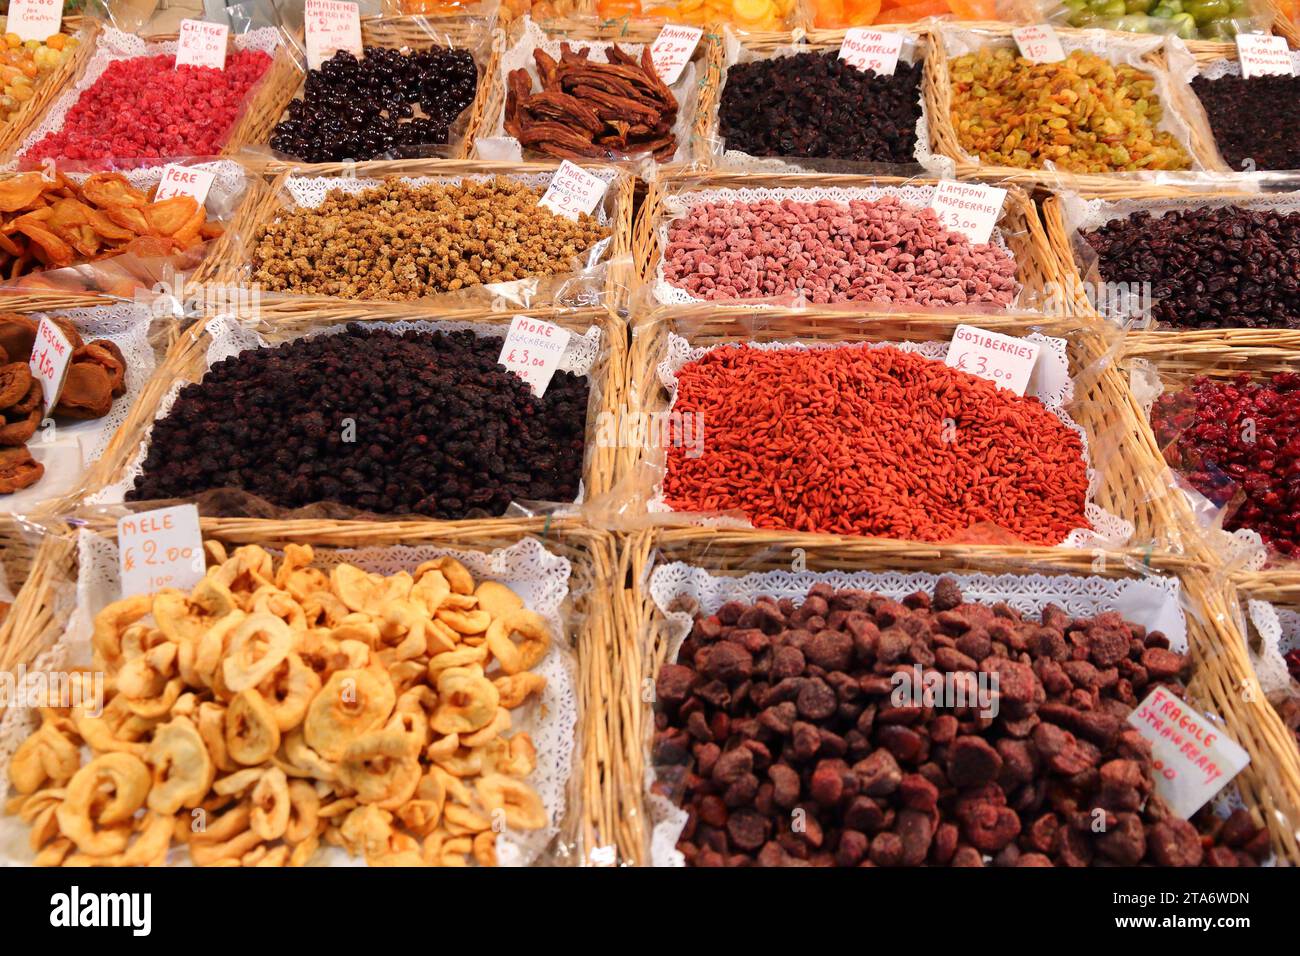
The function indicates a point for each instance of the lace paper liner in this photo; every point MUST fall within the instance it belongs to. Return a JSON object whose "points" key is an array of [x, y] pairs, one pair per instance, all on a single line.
{"points": [[678, 204], [1107, 44], [113, 45], [1153, 601], [230, 338], [535, 574], [69, 446], [1279, 633], [533, 37], [1050, 383], [941, 167], [1243, 548]]}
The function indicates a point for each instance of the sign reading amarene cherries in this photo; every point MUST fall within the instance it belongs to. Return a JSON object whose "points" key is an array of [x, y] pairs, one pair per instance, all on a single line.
{"points": [[533, 350], [332, 25], [871, 50], [673, 49], [35, 19], [200, 43]]}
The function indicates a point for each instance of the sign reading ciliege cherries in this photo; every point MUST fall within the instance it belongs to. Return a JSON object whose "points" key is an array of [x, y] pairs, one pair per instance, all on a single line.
{"points": [[200, 43]]}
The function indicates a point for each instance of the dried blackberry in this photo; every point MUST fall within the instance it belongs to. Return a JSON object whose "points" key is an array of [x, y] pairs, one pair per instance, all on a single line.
{"points": [[817, 105], [1256, 119], [366, 109], [391, 423]]}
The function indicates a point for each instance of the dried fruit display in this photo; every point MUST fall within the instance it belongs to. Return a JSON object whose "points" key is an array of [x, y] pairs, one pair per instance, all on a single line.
{"points": [[1254, 121], [1084, 114], [587, 109], [298, 708], [440, 429], [1236, 436], [24, 65], [872, 441], [832, 14], [1189, 19], [883, 251], [49, 222], [96, 375], [1208, 268], [750, 15], [817, 105], [780, 711], [366, 109], [398, 241], [146, 107]]}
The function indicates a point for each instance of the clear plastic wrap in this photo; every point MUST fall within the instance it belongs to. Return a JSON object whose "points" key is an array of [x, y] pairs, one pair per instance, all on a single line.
{"points": [[1242, 16]]}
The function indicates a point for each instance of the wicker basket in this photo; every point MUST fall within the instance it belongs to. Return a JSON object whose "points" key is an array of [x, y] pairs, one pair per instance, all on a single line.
{"points": [[944, 139], [231, 265], [410, 33], [262, 110], [1269, 787], [591, 30], [50, 88], [187, 362], [1072, 279], [41, 618], [1131, 475], [1036, 264]]}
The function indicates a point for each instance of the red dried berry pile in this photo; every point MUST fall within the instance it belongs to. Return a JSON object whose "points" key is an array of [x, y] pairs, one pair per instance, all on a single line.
{"points": [[1208, 268], [778, 722], [817, 105], [415, 422], [1256, 119], [872, 441], [145, 107], [1230, 435]]}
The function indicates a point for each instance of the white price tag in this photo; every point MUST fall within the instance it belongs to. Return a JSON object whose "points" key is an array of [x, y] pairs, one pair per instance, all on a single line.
{"points": [[202, 44], [871, 50], [1039, 43], [672, 50], [35, 19], [51, 356], [573, 191], [533, 350], [160, 549], [1194, 758], [184, 181], [1002, 359], [969, 208], [1262, 55], [332, 25]]}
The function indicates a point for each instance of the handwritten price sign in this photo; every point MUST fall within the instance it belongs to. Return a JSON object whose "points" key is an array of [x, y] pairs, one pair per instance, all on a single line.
{"points": [[871, 50], [573, 191], [332, 25], [969, 208], [202, 44], [1039, 44], [1001, 359], [1262, 55], [51, 355], [160, 549], [673, 49], [35, 19], [533, 350], [184, 181]]}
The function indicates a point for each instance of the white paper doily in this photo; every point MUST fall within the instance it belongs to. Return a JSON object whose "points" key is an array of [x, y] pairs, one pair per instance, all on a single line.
{"points": [[678, 204], [1118, 48], [67, 447], [111, 45], [533, 37], [1279, 633], [1154, 602], [539, 577], [230, 337], [1050, 383], [936, 165]]}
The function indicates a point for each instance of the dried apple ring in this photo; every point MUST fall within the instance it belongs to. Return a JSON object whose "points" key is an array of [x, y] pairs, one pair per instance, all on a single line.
{"points": [[516, 688], [252, 736], [271, 805], [382, 767], [498, 725], [106, 637], [296, 556], [485, 848], [460, 580], [352, 702], [520, 803], [461, 657], [515, 658], [214, 597], [175, 617], [497, 599], [305, 762], [324, 607], [113, 786], [359, 590], [257, 647], [429, 591], [304, 812], [467, 701], [465, 622], [182, 767], [289, 691], [45, 755]]}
